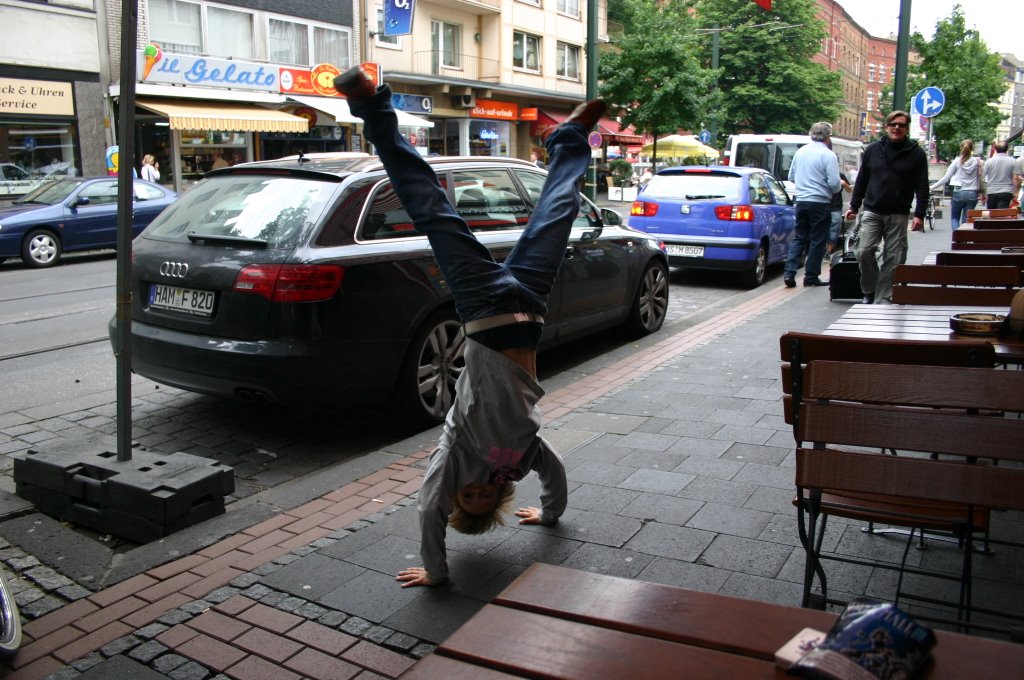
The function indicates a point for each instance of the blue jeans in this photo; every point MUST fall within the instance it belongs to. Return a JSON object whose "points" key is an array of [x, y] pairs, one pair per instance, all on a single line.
{"points": [[480, 286], [812, 226], [835, 227], [963, 200]]}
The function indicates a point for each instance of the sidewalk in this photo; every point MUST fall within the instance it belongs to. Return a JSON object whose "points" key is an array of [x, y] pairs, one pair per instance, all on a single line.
{"points": [[680, 471]]}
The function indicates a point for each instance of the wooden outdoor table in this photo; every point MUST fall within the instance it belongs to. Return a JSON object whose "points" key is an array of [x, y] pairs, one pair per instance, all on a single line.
{"points": [[554, 622], [932, 257], [921, 322]]}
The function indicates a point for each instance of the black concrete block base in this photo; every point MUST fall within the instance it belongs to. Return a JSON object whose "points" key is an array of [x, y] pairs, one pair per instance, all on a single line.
{"points": [[142, 499]]}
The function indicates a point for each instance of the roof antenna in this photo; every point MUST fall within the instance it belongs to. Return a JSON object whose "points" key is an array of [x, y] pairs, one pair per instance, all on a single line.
{"points": [[302, 157]]}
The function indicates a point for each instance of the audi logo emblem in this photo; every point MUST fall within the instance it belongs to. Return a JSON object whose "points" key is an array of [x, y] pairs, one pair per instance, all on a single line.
{"points": [[175, 270]]}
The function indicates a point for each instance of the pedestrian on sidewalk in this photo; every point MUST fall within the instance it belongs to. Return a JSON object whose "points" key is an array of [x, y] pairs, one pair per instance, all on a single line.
{"points": [[964, 174], [999, 171], [815, 173], [490, 438], [893, 171]]}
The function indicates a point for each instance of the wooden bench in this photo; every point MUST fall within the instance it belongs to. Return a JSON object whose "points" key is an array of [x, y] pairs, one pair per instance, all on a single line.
{"points": [[925, 409], [987, 239], [954, 285], [554, 622]]}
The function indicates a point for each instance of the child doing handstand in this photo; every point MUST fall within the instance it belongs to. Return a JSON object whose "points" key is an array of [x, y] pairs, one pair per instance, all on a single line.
{"points": [[490, 438]]}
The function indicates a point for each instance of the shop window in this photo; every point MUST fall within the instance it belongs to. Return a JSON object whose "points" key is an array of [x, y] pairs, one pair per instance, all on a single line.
{"points": [[331, 47], [526, 51], [289, 42], [179, 26], [488, 138], [382, 40], [446, 43], [570, 7], [489, 200], [294, 43], [33, 153], [176, 26], [568, 61], [229, 33]]}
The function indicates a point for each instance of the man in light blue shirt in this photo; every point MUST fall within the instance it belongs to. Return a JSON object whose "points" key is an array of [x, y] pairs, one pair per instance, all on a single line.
{"points": [[815, 173]]}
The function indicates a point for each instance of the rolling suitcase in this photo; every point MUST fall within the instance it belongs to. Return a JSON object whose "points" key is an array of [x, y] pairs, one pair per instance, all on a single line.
{"points": [[844, 277]]}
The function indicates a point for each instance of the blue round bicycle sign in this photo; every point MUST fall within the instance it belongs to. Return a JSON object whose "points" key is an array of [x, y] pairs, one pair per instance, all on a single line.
{"points": [[929, 102]]}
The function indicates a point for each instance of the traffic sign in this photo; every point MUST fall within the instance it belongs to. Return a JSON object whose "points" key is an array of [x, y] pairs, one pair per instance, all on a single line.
{"points": [[704, 136], [594, 140], [929, 102]]}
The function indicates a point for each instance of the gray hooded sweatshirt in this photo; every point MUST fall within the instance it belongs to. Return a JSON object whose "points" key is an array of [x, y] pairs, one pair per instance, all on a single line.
{"points": [[490, 436]]}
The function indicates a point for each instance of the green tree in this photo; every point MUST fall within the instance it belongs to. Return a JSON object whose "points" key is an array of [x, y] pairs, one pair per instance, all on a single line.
{"points": [[768, 82], [957, 61], [651, 74]]}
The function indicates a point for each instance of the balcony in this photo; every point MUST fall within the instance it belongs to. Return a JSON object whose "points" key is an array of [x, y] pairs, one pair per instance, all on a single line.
{"points": [[462, 66]]}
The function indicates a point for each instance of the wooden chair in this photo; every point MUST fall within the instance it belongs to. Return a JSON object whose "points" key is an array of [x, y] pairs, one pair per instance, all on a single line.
{"points": [[914, 408], [798, 349], [992, 214], [987, 239], [954, 285]]}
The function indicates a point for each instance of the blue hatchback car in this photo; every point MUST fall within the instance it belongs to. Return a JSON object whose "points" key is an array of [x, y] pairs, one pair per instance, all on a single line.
{"points": [[718, 217], [77, 213]]}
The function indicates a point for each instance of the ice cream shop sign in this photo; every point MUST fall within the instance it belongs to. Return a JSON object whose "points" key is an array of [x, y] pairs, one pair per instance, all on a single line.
{"points": [[157, 66]]}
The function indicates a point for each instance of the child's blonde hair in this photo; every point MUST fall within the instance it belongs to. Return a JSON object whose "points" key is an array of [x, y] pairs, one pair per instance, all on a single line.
{"points": [[465, 523]]}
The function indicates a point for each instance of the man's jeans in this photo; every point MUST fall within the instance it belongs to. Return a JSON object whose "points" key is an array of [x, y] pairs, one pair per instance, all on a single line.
{"points": [[875, 228], [963, 200], [835, 227], [482, 287], [812, 227]]}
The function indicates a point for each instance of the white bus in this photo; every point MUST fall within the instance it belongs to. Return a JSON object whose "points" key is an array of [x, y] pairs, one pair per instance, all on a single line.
{"points": [[774, 153]]}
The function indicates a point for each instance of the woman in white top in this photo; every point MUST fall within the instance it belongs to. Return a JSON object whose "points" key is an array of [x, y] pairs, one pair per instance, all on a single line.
{"points": [[964, 174], [150, 168]]}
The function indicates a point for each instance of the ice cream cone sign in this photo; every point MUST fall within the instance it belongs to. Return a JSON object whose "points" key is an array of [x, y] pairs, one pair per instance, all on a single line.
{"points": [[153, 54]]}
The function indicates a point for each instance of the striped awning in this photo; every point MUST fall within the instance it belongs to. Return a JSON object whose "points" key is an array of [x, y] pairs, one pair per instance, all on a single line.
{"points": [[200, 115]]}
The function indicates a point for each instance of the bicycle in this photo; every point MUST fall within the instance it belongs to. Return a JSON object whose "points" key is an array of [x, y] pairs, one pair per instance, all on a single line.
{"points": [[929, 213], [10, 619]]}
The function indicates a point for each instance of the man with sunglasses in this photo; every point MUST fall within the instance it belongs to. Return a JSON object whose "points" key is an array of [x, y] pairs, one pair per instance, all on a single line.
{"points": [[893, 171]]}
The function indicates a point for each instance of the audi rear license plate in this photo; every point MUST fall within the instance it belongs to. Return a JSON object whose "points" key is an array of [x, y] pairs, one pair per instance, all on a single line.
{"points": [[685, 251], [187, 300]]}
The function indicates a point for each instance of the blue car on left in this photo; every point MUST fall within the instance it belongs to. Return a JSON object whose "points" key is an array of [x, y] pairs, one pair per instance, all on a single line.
{"points": [[77, 213]]}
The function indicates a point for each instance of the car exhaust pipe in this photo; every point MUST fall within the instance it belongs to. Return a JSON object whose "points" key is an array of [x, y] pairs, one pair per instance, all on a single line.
{"points": [[252, 396]]}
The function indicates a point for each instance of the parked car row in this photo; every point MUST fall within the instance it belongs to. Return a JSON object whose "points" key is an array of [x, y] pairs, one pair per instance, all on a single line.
{"points": [[302, 280]]}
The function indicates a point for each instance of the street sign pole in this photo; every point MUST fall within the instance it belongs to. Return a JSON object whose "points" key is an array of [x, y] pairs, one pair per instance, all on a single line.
{"points": [[591, 183]]}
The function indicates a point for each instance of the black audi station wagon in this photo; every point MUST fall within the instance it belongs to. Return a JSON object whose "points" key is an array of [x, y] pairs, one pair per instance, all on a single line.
{"points": [[302, 280]]}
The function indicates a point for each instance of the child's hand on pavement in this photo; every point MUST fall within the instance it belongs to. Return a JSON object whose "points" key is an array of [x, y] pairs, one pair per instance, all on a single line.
{"points": [[414, 576], [529, 515]]}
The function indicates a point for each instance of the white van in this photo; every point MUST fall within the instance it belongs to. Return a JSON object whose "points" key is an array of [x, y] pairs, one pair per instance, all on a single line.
{"points": [[774, 153]]}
